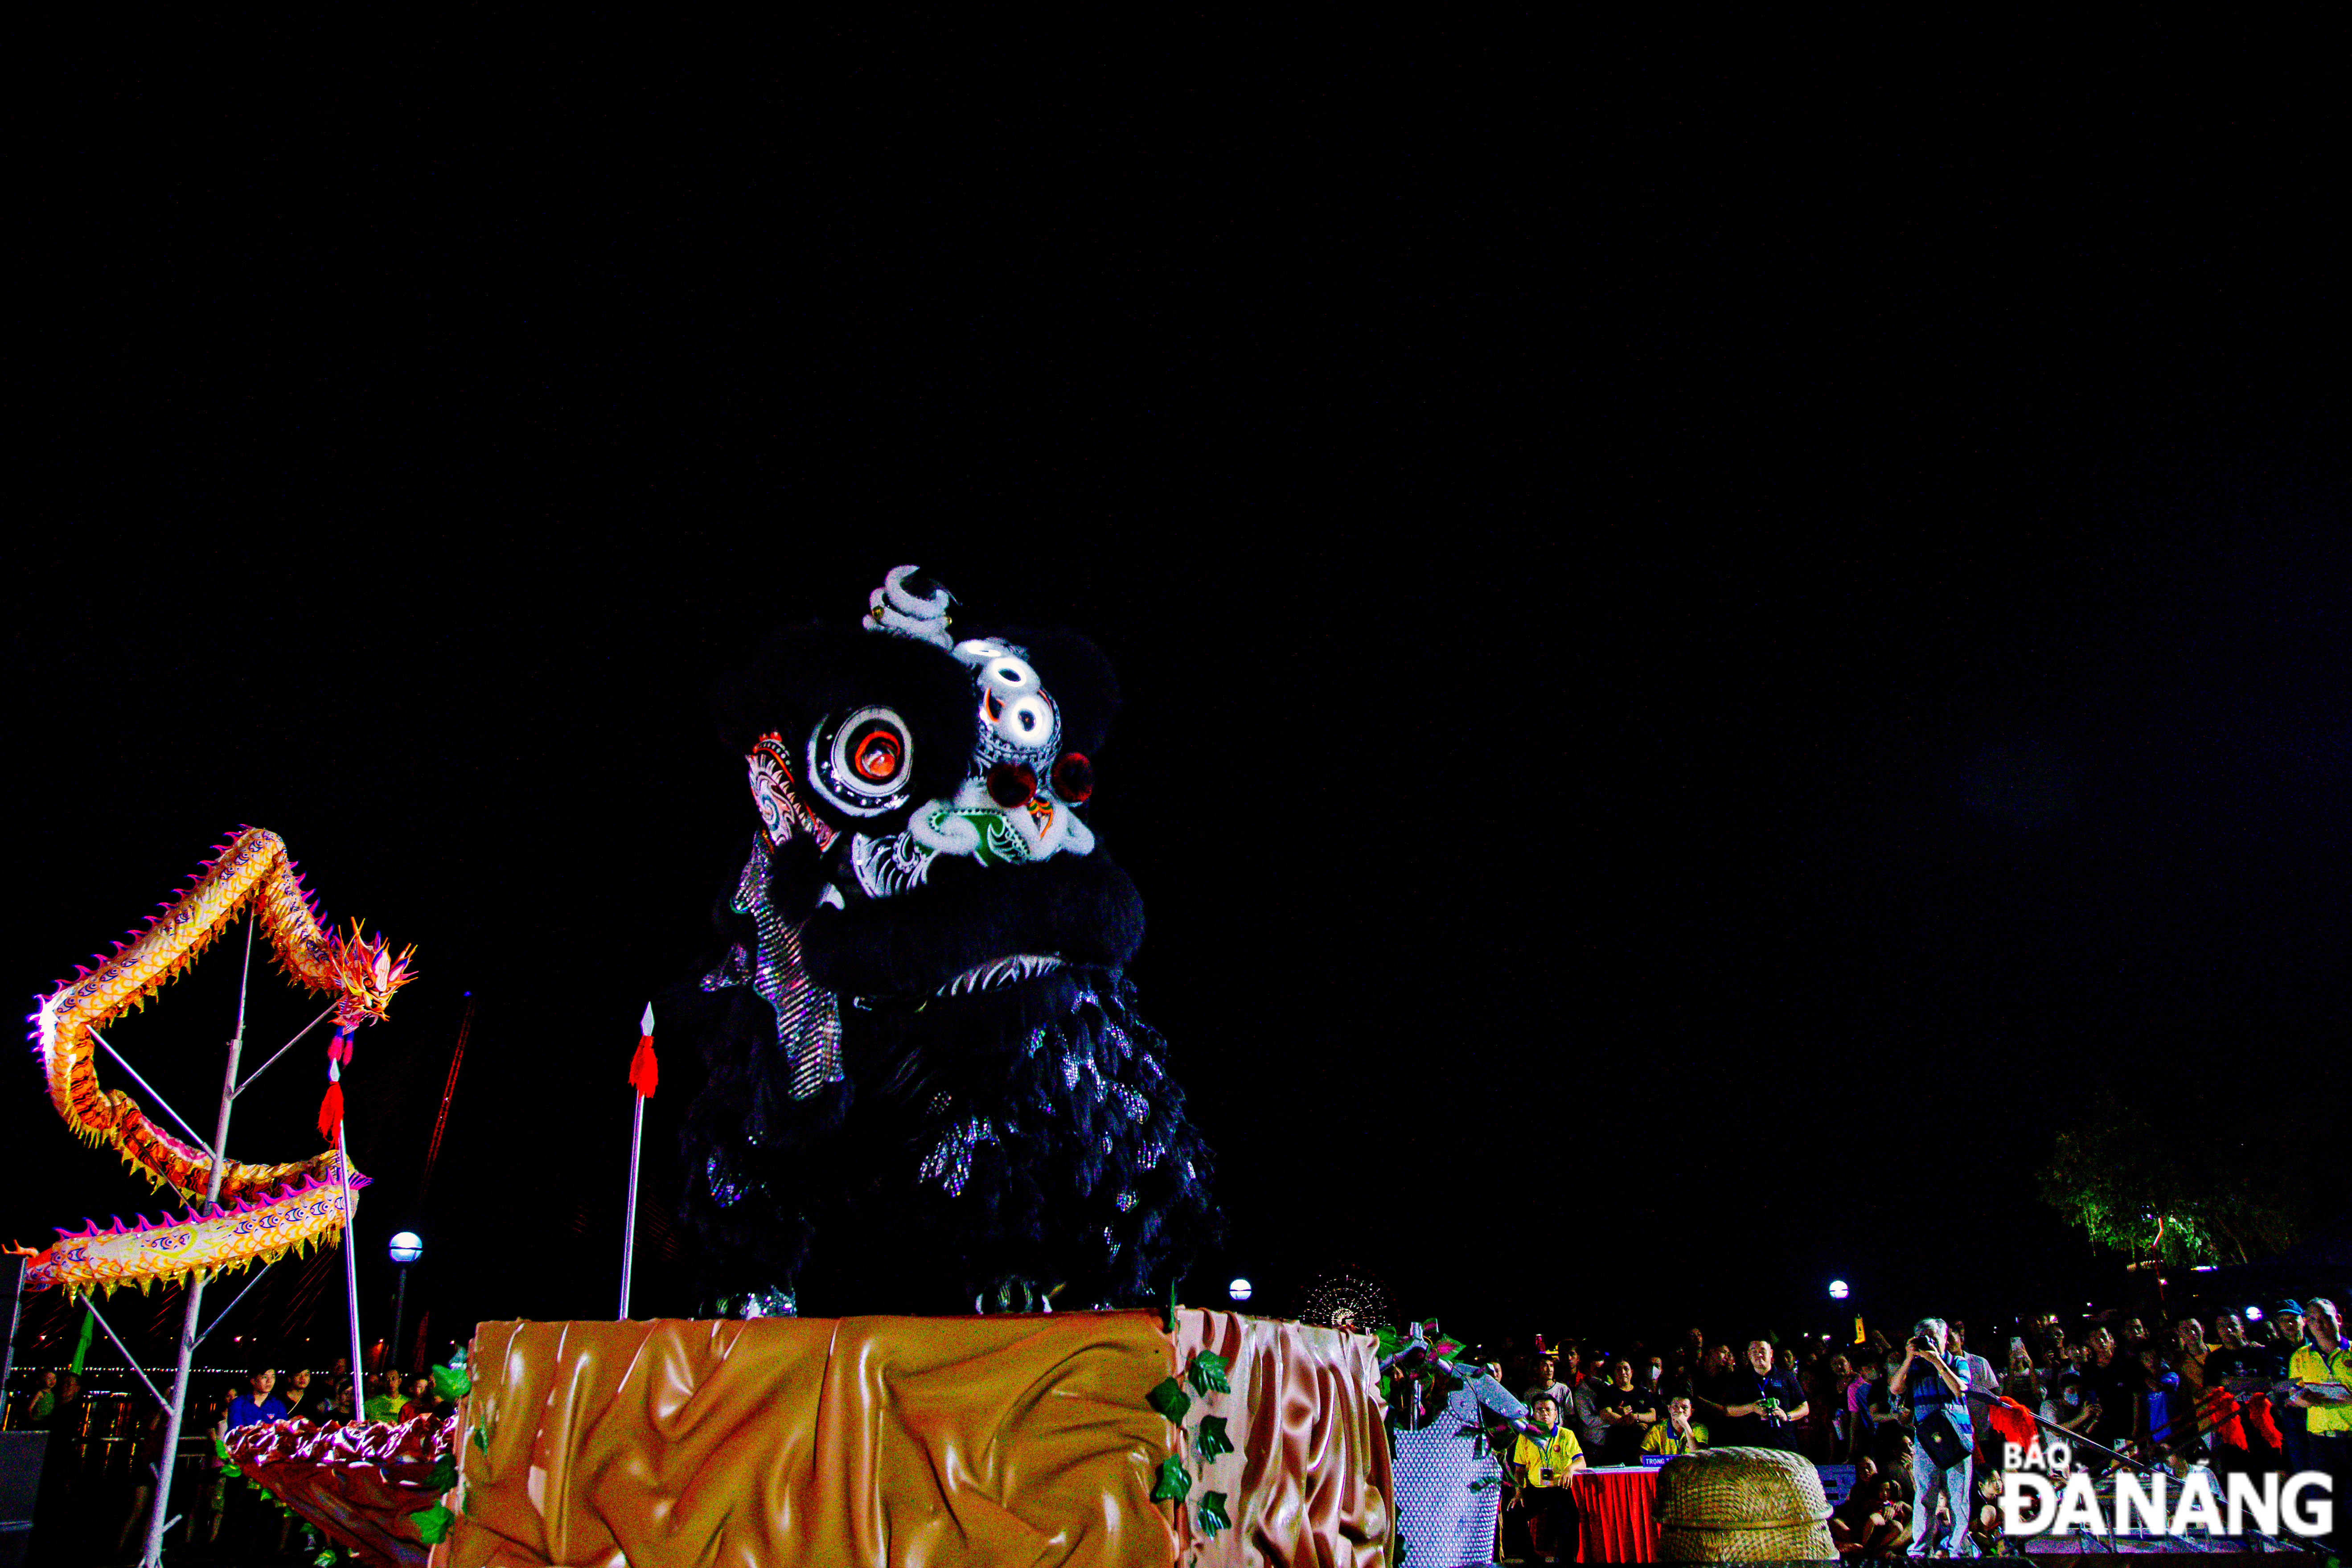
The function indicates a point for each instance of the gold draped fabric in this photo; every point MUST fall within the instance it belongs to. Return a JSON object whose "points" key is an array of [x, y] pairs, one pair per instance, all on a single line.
{"points": [[1309, 1483], [922, 1442]]}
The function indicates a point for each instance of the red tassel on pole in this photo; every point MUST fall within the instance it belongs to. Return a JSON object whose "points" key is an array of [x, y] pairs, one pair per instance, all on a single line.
{"points": [[331, 1110], [645, 1072]]}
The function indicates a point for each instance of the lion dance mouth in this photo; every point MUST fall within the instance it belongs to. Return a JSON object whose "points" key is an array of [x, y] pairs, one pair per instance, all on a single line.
{"points": [[263, 1210]]}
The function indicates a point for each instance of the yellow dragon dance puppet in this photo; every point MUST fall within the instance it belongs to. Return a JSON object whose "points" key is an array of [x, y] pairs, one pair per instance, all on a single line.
{"points": [[263, 1210]]}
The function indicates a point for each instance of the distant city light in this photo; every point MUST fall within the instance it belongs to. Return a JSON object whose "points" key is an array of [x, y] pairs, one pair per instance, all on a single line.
{"points": [[2205, 1268], [1239, 1289], [1840, 1290]]}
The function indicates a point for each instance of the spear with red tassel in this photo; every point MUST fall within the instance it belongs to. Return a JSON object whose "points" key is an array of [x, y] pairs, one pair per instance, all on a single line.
{"points": [[644, 1074], [331, 1125]]}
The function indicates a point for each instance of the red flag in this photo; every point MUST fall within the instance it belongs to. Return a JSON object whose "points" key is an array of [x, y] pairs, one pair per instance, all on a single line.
{"points": [[2011, 1421], [331, 1110], [645, 1072]]}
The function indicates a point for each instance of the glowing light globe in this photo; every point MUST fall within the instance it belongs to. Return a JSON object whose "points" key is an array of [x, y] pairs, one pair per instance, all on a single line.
{"points": [[406, 1248], [1239, 1289], [1840, 1290]]}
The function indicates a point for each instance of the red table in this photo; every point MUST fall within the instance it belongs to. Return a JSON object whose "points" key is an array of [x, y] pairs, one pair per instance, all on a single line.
{"points": [[1614, 1523]]}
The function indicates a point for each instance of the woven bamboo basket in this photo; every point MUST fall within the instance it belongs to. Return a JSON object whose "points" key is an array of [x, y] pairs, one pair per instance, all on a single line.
{"points": [[1742, 1504]]}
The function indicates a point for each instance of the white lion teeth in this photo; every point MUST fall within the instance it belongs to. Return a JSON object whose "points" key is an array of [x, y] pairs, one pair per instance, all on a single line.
{"points": [[1005, 971]]}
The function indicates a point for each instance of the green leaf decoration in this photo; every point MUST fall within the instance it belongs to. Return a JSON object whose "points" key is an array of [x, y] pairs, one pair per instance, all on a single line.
{"points": [[1173, 1481], [220, 1448], [1211, 1441], [1168, 1311], [431, 1524], [452, 1381], [444, 1476], [1170, 1399], [1207, 1373], [1213, 1516], [481, 1438]]}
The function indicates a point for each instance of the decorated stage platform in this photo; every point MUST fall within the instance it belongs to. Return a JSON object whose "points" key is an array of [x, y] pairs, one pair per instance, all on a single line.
{"points": [[1111, 1438]]}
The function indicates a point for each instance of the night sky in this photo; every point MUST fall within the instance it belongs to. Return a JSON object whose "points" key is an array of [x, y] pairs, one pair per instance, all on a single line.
{"points": [[1688, 694]]}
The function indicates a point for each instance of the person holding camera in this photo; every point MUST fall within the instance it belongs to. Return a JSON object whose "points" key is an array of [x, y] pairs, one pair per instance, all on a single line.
{"points": [[1940, 1463], [1761, 1407]]}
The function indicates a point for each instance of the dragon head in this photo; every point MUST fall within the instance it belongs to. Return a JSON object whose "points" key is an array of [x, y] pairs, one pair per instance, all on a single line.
{"points": [[367, 972]]}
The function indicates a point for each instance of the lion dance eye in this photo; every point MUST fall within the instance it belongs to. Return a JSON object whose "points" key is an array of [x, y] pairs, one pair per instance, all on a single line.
{"points": [[876, 757], [1074, 777], [861, 764]]}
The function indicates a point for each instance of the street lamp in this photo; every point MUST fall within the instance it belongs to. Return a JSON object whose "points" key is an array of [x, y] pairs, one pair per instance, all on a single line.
{"points": [[1841, 1292], [406, 1248], [1239, 1289]]}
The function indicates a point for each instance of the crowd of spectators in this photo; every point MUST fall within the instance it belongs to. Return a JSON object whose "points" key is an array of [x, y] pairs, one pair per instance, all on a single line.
{"points": [[97, 1474], [1921, 1423]]}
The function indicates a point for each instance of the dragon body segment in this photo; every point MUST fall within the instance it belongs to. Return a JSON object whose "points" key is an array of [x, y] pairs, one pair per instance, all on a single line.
{"points": [[222, 1239], [262, 1209]]}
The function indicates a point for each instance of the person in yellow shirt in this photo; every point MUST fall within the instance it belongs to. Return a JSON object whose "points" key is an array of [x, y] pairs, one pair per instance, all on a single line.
{"points": [[1678, 1433], [2322, 1371], [1543, 1466]]}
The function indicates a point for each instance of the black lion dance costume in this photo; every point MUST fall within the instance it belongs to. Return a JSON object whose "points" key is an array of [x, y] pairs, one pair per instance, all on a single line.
{"points": [[929, 1085]]}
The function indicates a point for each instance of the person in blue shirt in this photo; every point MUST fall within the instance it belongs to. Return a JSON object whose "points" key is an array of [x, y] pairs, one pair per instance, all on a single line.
{"points": [[257, 1405], [1937, 1387], [2159, 1400], [248, 1525]]}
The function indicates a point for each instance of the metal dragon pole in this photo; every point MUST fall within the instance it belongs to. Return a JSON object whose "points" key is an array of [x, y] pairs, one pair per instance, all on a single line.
{"points": [[159, 1519], [351, 1279], [399, 1317]]}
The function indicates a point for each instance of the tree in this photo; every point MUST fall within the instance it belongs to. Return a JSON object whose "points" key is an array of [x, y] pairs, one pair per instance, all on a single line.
{"points": [[2140, 1191]]}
